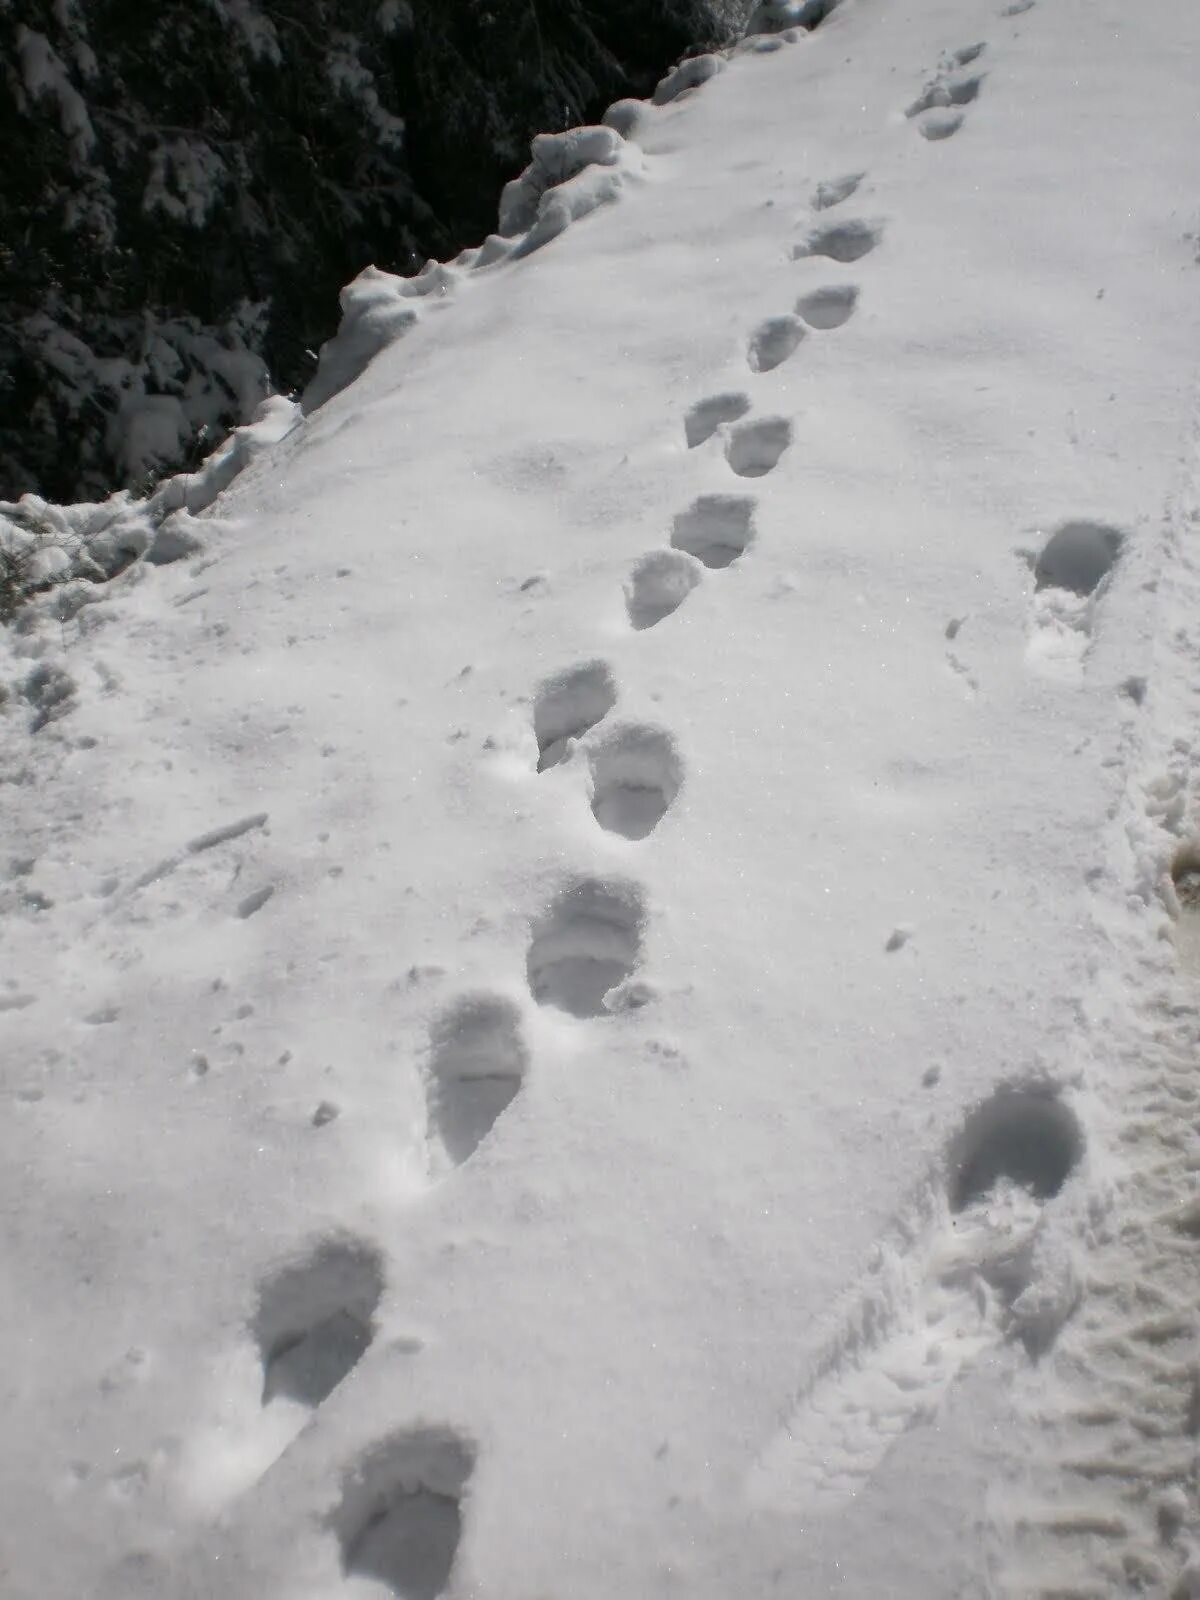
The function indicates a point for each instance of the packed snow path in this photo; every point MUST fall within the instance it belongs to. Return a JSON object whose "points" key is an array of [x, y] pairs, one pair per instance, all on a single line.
{"points": [[594, 1002]]}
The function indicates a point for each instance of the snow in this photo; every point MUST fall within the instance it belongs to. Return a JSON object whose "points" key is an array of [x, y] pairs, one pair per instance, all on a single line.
{"points": [[601, 989], [43, 72], [348, 76], [185, 180]]}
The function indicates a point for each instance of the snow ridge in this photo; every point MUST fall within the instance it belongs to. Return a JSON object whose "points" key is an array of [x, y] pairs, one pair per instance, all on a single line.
{"points": [[570, 174]]}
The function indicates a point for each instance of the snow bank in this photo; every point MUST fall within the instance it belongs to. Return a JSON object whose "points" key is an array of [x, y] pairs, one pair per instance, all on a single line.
{"points": [[569, 175], [45, 545], [689, 74], [374, 313]]}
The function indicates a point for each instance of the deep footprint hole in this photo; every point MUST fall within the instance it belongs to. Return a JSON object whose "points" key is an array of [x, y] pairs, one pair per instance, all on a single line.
{"points": [[586, 942], [315, 1320], [754, 448], [1185, 875], [400, 1518], [828, 307], [964, 91], [567, 705], [715, 529], [477, 1063], [636, 775], [1078, 557], [835, 190], [840, 241], [773, 341], [1025, 1135], [658, 586], [706, 416], [938, 125]]}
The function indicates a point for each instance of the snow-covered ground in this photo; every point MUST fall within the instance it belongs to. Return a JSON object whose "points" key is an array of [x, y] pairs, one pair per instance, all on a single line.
{"points": [[593, 1002]]}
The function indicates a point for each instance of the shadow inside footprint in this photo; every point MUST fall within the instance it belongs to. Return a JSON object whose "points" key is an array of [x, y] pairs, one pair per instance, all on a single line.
{"points": [[1078, 556], [400, 1518], [706, 416], [477, 1062], [586, 942], [315, 1320], [773, 342], [829, 307], [635, 776], [835, 190], [1025, 1135], [960, 92], [840, 241], [1185, 876], [658, 585], [567, 705], [715, 529], [937, 125], [754, 448]]}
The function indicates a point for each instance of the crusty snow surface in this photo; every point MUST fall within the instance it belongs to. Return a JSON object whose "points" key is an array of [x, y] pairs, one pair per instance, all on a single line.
{"points": [[593, 998]]}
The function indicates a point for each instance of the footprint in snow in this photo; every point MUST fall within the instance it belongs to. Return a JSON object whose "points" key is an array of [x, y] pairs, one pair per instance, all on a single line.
{"points": [[477, 1063], [315, 1320], [254, 901], [828, 307], [754, 448], [1071, 574], [938, 125], [400, 1517], [937, 112], [773, 341], [835, 190], [567, 705], [963, 1274], [840, 241], [658, 586], [706, 416], [636, 774], [715, 529], [585, 943]]}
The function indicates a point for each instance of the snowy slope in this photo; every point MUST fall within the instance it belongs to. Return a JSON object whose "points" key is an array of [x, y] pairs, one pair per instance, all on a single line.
{"points": [[784, 1200]]}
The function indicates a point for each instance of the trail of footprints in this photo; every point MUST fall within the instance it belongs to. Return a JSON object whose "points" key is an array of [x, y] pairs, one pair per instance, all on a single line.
{"points": [[973, 1267], [717, 529], [964, 1270], [938, 111]]}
